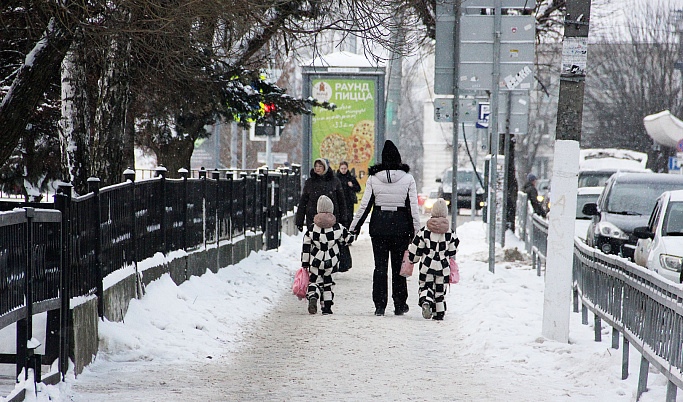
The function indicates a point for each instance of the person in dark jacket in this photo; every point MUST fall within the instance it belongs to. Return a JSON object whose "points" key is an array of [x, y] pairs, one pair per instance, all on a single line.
{"points": [[532, 194], [321, 182], [350, 186], [391, 192]]}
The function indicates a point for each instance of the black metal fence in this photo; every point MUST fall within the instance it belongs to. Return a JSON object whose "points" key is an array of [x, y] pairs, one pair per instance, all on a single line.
{"points": [[49, 256]]}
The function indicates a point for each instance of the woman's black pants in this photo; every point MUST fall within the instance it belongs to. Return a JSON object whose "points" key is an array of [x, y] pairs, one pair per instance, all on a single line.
{"points": [[384, 247]]}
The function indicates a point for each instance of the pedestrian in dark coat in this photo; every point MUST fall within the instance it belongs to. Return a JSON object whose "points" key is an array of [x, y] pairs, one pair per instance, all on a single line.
{"points": [[350, 186], [532, 194], [321, 182], [432, 246], [391, 193]]}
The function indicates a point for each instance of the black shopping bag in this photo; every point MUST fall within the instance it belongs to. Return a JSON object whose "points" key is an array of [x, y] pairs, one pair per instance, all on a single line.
{"points": [[345, 261]]}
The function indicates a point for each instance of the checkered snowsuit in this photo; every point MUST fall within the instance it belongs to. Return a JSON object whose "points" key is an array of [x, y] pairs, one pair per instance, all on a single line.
{"points": [[320, 254], [432, 251]]}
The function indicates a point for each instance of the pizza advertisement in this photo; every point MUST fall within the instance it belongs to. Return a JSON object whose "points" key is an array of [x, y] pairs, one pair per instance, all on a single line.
{"points": [[348, 132]]}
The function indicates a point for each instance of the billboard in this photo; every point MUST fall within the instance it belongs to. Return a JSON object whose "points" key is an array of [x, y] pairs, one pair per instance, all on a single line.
{"points": [[348, 132], [351, 132]]}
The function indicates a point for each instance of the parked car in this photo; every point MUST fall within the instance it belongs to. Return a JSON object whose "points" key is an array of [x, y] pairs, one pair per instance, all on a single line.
{"points": [[584, 196], [624, 204], [464, 183], [660, 243]]}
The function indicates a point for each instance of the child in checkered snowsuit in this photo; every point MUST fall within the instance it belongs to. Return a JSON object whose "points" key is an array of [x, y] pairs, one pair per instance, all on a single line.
{"points": [[432, 246], [320, 255]]}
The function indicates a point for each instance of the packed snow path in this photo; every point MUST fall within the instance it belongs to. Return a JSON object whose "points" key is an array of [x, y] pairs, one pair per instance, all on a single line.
{"points": [[351, 355], [229, 337]]}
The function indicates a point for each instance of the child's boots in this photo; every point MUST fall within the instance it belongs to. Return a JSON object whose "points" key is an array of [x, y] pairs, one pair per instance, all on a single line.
{"points": [[312, 305]]}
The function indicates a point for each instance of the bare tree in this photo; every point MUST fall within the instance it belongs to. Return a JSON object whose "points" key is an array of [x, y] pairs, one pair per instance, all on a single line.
{"points": [[632, 76]]}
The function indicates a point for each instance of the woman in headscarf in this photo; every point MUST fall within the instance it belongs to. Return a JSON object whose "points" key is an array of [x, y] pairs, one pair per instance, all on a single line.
{"points": [[321, 182], [391, 192]]}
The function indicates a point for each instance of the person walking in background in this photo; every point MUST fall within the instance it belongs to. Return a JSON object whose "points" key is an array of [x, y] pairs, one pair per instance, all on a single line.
{"points": [[391, 193], [532, 194], [320, 255], [350, 186], [321, 182], [432, 246]]}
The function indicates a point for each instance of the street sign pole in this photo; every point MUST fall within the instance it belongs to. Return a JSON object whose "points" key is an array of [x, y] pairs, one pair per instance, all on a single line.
{"points": [[493, 128]]}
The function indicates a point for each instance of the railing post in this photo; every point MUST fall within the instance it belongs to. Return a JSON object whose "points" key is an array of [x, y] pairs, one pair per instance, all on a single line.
{"points": [[615, 338], [642, 377], [25, 325], [597, 327], [202, 177], [129, 176], [94, 187], [671, 390], [63, 204], [216, 175], [624, 359], [161, 173], [576, 300], [584, 315]]}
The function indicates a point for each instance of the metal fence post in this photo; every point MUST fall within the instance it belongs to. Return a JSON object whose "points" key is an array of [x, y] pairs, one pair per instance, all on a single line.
{"points": [[642, 377], [63, 204], [624, 359], [129, 176], [216, 175], [615, 338], [597, 328], [202, 177], [94, 187], [671, 390]]}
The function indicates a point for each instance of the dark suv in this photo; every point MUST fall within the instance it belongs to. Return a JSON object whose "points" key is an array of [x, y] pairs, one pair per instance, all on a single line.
{"points": [[624, 204], [464, 182]]}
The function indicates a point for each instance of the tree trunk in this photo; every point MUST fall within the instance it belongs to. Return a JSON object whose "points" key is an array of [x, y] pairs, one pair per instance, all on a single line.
{"points": [[175, 155], [109, 143], [30, 84], [75, 123]]}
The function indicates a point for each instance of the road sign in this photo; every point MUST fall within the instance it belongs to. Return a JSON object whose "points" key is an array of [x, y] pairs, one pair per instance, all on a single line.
{"points": [[261, 132], [443, 110], [673, 164], [679, 146], [484, 113]]}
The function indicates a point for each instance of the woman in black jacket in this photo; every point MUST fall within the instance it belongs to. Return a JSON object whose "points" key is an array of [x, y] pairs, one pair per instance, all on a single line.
{"points": [[391, 192], [321, 182], [350, 186]]}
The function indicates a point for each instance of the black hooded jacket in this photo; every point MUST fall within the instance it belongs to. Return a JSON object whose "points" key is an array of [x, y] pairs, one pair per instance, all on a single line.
{"points": [[349, 191], [315, 186]]}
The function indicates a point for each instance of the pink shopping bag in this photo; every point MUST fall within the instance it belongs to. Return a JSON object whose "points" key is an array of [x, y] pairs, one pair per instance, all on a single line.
{"points": [[406, 266], [455, 273], [300, 286]]}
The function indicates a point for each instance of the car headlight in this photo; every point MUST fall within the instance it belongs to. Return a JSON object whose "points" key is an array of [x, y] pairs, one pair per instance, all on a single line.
{"points": [[447, 202], [539, 198], [609, 230], [671, 262], [429, 204]]}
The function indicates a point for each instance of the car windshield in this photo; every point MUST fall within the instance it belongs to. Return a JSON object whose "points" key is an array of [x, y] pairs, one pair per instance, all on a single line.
{"points": [[636, 198], [594, 179], [673, 225], [434, 194], [464, 176], [582, 200]]}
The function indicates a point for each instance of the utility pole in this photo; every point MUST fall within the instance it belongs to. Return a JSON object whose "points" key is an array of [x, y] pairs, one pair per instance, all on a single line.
{"points": [[494, 129], [558, 278], [394, 87]]}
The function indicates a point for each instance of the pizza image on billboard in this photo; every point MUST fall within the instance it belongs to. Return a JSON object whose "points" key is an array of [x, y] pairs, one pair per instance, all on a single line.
{"points": [[334, 149]]}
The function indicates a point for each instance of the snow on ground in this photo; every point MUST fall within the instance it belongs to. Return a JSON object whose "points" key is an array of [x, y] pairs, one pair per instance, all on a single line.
{"points": [[493, 323]]}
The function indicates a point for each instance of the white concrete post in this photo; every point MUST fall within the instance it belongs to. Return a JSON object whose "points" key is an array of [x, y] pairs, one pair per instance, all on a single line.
{"points": [[558, 275]]}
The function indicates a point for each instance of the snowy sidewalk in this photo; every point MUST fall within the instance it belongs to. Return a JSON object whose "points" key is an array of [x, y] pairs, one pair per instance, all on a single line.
{"points": [[226, 337]]}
